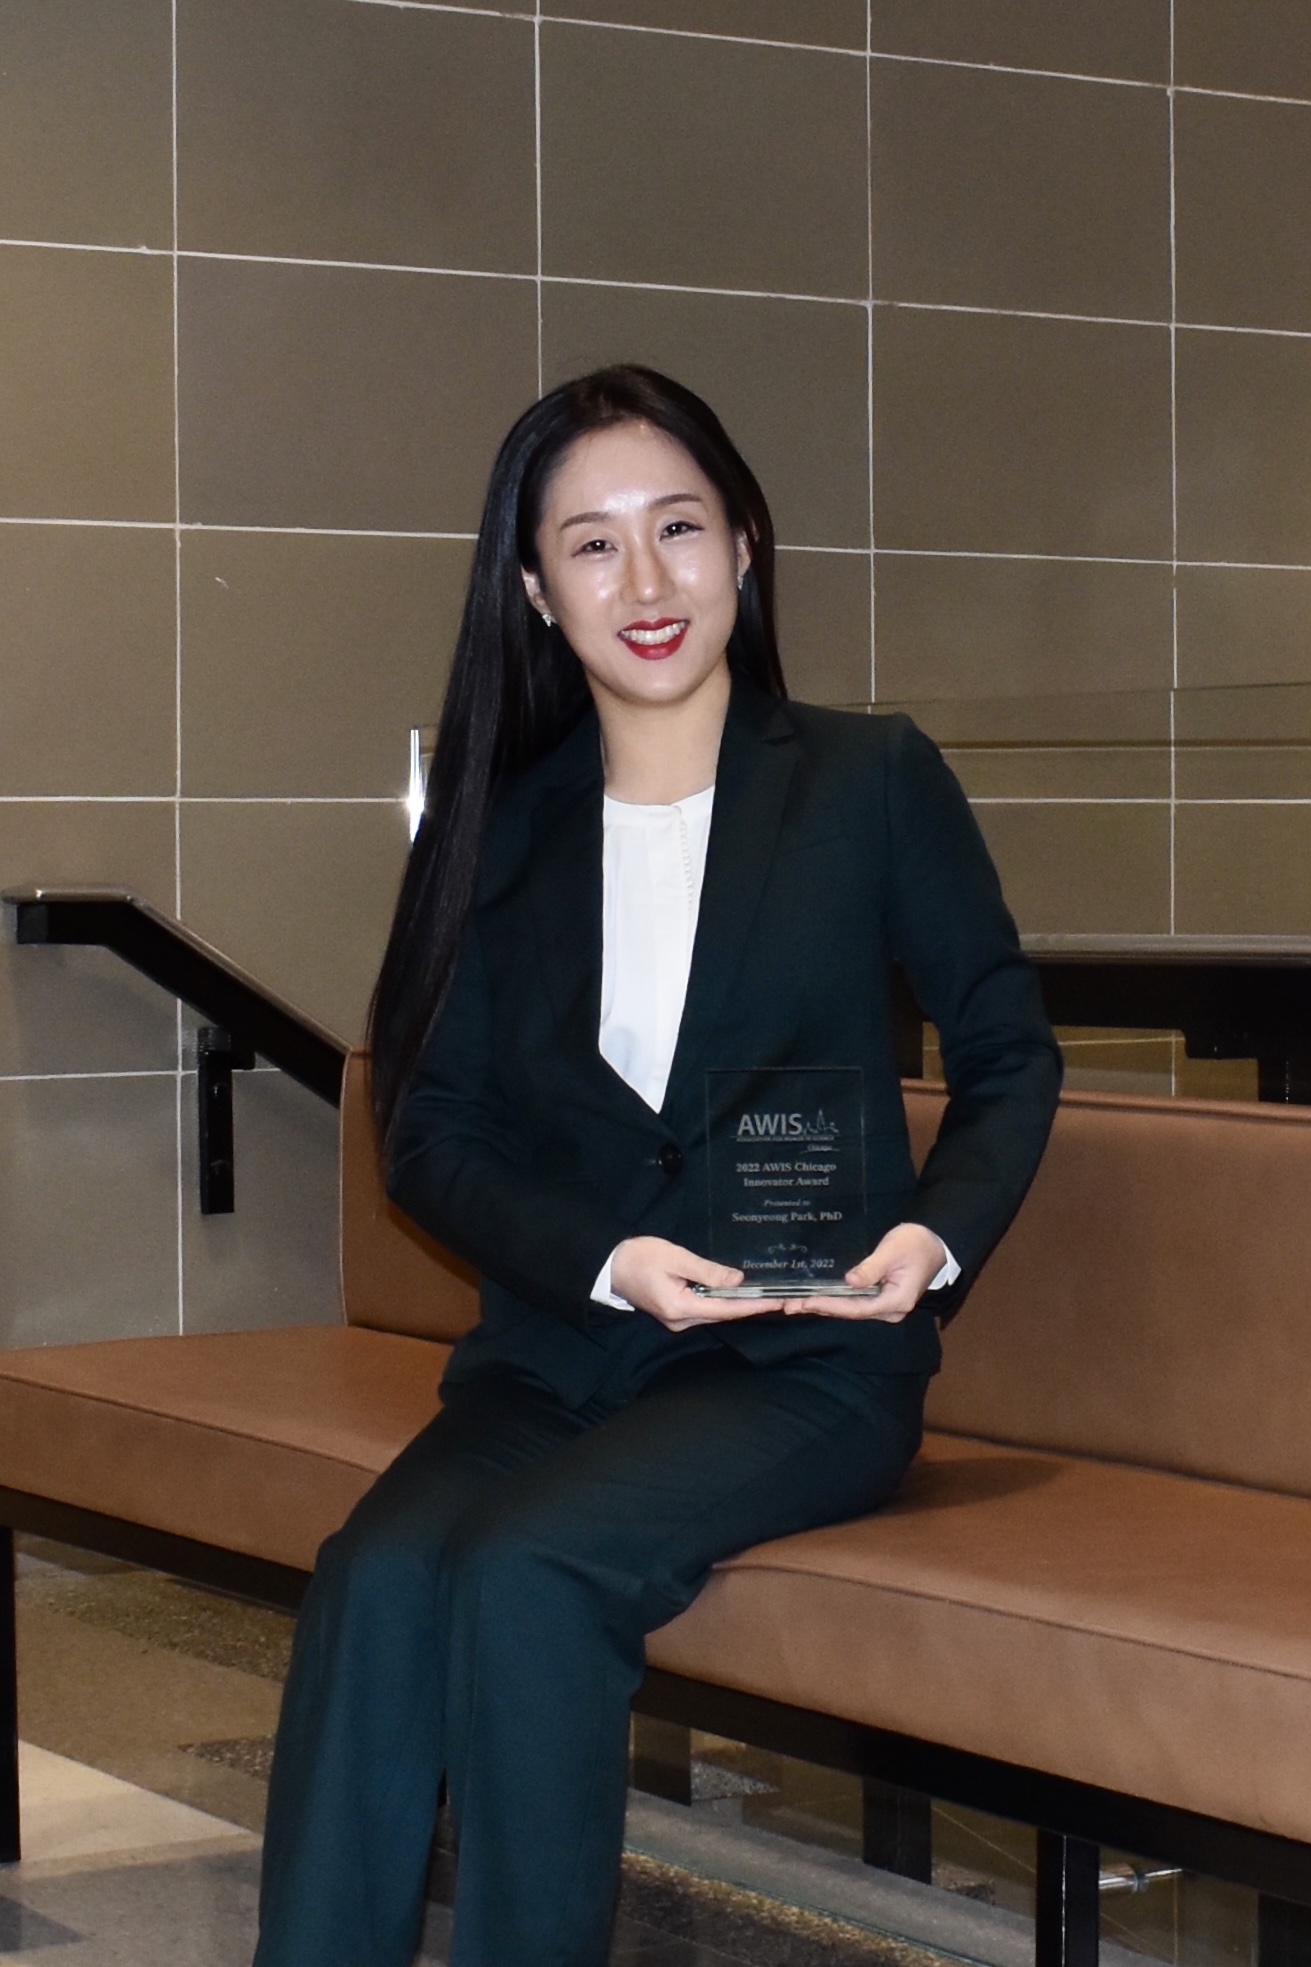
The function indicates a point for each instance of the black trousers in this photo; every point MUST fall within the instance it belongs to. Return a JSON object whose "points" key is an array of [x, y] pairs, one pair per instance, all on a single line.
{"points": [[482, 1613]]}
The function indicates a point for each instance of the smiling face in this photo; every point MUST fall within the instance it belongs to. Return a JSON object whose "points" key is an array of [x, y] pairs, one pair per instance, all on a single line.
{"points": [[639, 565]]}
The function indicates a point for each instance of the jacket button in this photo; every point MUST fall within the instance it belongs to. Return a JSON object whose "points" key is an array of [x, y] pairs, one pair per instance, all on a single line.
{"points": [[670, 1158]]}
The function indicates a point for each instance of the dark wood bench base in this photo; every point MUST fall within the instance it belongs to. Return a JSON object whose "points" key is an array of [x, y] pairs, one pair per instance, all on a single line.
{"points": [[1074, 1820], [229, 1571], [896, 1824]]}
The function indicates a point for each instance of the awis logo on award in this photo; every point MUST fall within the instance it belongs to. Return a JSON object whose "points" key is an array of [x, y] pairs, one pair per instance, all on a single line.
{"points": [[817, 1130]]}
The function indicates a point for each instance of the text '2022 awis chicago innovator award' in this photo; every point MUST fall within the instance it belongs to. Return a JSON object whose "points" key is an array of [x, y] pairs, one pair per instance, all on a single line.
{"points": [[786, 1156]]}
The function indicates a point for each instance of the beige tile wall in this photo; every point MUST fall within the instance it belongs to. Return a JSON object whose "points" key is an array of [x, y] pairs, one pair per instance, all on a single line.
{"points": [[1007, 300]]}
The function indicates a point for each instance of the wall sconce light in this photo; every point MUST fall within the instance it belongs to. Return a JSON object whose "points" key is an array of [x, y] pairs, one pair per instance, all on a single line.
{"points": [[423, 742]]}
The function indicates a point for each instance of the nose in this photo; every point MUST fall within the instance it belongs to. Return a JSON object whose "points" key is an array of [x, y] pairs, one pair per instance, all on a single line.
{"points": [[647, 577]]}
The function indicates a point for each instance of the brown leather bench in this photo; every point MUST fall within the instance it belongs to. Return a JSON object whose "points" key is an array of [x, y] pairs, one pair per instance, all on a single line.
{"points": [[1090, 1609]]}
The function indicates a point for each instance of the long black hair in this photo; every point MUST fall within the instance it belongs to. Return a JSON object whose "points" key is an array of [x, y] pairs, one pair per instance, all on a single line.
{"points": [[516, 688]]}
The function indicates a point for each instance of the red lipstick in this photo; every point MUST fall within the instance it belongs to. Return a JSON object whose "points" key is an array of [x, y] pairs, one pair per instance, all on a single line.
{"points": [[654, 640]]}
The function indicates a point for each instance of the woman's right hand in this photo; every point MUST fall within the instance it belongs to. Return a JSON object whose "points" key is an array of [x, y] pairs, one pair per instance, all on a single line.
{"points": [[655, 1275]]}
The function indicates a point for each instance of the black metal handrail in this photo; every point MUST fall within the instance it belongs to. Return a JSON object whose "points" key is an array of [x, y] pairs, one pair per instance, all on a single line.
{"points": [[246, 1018], [1231, 997], [180, 961]]}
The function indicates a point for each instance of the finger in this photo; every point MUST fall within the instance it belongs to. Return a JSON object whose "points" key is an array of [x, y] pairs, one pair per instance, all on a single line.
{"points": [[720, 1310], [887, 1261], [897, 1296], [872, 1274], [673, 1301], [711, 1310], [702, 1270], [883, 1308]]}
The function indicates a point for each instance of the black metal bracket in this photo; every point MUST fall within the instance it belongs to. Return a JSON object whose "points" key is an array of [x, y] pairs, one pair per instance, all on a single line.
{"points": [[896, 1829], [1067, 1904], [217, 1058], [662, 1759], [1283, 1933]]}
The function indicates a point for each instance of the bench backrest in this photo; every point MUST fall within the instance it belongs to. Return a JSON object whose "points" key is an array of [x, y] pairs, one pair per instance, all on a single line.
{"points": [[393, 1277], [1152, 1301]]}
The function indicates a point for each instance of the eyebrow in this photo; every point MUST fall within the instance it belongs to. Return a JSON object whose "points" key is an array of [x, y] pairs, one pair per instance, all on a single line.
{"points": [[601, 518]]}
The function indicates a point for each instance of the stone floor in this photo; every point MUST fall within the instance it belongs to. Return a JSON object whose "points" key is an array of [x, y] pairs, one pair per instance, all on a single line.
{"points": [[148, 1709]]}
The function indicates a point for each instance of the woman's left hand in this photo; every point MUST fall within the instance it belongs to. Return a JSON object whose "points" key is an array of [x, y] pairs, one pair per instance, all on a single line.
{"points": [[903, 1266]]}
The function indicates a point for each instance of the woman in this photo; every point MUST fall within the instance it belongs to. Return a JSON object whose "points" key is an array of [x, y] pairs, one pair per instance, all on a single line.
{"points": [[639, 864]]}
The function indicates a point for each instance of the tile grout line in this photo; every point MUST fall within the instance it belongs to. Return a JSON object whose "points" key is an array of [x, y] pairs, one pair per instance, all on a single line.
{"points": [[876, 54], [1242, 95], [1157, 1038], [832, 48], [307, 532], [783, 546], [674, 286], [177, 477], [1078, 799], [948, 744], [537, 175], [439, 7], [358, 266], [681, 287], [849, 552], [1092, 559], [58, 1078], [177, 671], [199, 799], [625, 27], [869, 351], [1130, 799], [326, 532], [1174, 488]]}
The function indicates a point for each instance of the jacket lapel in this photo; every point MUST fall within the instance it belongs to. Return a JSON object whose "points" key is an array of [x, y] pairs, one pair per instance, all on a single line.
{"points": [[565, 887], [757, 758], [756, 761]]}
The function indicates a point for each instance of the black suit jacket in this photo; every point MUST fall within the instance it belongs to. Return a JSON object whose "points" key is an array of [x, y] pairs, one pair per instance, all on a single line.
{"points": [[839, 844]]}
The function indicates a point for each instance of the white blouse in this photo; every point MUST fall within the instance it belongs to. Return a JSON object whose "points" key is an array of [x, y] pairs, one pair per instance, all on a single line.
{"points": [[653, 866]]}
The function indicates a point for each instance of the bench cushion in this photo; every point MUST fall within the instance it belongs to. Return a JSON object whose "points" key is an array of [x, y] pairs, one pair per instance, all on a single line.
{"points": [[1124, 1627], [1127, 1627], [259, 1442]]}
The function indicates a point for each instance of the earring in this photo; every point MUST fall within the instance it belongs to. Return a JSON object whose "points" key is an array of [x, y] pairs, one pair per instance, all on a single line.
{"points": [[548, 617]]}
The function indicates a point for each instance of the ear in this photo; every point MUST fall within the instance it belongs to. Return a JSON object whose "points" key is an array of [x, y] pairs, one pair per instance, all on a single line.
{"points": [[533, 588], [743, 554]]}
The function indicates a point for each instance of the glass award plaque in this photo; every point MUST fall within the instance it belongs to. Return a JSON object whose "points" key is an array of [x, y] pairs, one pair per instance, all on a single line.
{"points": [[786, 1161]]}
